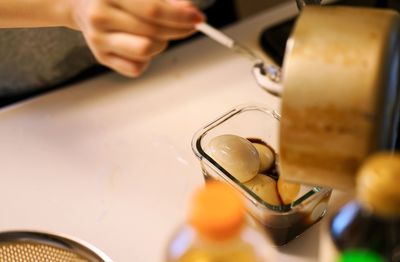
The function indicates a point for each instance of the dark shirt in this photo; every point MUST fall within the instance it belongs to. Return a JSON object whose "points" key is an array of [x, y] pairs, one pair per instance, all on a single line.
{"points": [[36, 58]]}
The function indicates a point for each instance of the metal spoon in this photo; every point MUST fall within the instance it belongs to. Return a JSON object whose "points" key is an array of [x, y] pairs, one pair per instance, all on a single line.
{"points": [[268, 77]]}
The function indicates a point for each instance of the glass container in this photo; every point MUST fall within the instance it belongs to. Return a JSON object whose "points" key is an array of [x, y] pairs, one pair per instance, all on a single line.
{"points": [[282, 222]]}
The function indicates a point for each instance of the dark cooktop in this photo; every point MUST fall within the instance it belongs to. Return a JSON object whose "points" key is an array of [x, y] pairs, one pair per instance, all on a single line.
{"points": [[273, 39]]}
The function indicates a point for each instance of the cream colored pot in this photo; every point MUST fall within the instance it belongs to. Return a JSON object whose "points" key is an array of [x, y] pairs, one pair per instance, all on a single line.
{"points": [[340, 100]]}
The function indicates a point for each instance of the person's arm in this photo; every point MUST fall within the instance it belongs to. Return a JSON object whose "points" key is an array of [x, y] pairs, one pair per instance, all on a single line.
{"points": [[33, 13], [122, 34]]}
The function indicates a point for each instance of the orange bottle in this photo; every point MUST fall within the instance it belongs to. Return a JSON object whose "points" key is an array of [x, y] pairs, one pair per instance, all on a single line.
{"points": [[216, 230]]}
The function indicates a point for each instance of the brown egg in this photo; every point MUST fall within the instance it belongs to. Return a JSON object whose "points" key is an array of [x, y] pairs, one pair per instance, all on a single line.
{"points": [[264, 187], [267, 156], [288, 191], [236, 155]]}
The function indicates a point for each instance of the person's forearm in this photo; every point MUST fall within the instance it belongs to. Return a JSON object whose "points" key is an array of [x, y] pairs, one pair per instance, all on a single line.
{"points": [[34, 13], [124, 37]]}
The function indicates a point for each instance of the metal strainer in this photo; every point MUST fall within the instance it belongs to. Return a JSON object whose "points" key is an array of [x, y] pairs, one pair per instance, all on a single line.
{"points": [[29, 246]]}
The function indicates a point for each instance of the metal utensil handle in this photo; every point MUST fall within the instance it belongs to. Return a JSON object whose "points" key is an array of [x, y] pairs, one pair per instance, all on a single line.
{"points": [[267, 77], [303, 3]]}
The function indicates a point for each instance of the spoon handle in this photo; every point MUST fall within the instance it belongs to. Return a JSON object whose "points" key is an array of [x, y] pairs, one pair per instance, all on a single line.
{"points": [[267, 77], [226, 41], [303, 3]]}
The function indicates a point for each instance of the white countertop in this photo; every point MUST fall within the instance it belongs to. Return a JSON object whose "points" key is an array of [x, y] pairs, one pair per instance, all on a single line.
{"points": [[109, 160]]}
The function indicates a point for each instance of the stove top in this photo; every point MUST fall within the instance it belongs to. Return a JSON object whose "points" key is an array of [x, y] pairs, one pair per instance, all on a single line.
{"points": [[273, 39]]}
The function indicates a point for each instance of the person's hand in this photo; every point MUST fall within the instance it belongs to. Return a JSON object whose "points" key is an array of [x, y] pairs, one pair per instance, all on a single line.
{"points": [[126, 34]]}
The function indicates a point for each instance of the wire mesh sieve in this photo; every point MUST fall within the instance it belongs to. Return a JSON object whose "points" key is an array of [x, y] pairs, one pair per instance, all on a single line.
{"points": [[28, 246]]}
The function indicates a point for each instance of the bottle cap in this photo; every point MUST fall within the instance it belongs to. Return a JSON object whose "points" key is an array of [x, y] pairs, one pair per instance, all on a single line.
{"points": [[217, 211], [377, 184], [360, 256]]}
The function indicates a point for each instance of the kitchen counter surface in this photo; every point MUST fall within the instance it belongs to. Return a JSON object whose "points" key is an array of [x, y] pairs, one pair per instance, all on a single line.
{"points": [[109, 160]]}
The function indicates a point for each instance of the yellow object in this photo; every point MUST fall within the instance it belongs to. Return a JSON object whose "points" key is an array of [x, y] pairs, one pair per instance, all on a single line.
{"points": [[217, 211], [377, 184], [238, 253], [217, 230]]}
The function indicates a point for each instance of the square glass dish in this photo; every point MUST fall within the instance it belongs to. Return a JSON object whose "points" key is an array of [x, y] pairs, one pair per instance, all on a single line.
{"points": [[282, 222]]}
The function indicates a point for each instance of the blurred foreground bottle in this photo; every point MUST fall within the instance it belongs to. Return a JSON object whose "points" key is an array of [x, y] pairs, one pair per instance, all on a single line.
{"points": [[216, 231], [371, 223]]}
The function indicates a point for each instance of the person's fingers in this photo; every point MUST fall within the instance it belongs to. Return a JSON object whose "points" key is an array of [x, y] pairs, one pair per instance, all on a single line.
{"points": [[119, 21], [126, 34], [128, 55], [181, 2], [124, 66], [161, 12], [133, 47]]}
